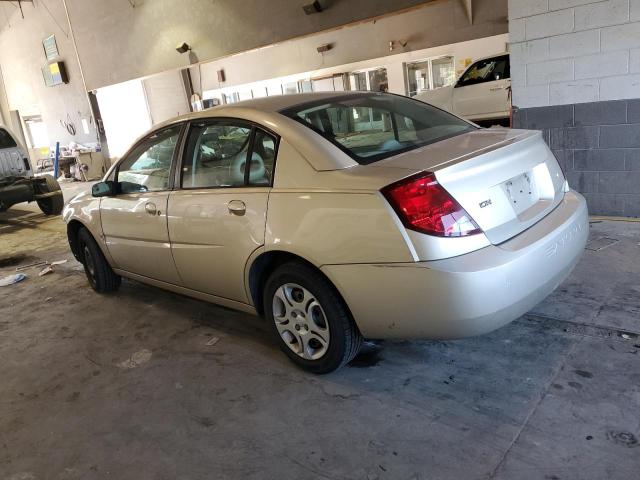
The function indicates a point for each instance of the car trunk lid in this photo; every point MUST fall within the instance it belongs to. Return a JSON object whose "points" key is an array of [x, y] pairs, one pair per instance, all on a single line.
{"points": [[507, 180]]}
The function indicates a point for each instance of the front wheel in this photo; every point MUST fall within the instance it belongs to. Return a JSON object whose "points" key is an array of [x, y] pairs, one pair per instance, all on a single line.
{"points": [[310, 320], [51, 205], [99, 273]]}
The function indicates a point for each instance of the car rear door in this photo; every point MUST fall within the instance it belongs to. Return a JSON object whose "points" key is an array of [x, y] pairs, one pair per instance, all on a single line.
{"points": [[483, 92], [217, 216], [134, 221]]}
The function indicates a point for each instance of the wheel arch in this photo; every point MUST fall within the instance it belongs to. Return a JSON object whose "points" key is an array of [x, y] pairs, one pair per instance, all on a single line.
{"points": [[73, 228], [265, 263]]}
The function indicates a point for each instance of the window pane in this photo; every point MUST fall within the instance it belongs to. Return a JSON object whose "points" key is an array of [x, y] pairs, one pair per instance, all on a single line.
{"points": [[417, 77], [486, 71], [216, 156], [231, 97], [289, 88], [443, 72], [262, 159], [147, 168], [259, 92], [378, 80], [363, 125], [37, 132], [359, 81]]}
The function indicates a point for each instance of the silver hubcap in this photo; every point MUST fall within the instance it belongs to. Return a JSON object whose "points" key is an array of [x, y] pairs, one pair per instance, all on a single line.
{"points": [[301, 321]]}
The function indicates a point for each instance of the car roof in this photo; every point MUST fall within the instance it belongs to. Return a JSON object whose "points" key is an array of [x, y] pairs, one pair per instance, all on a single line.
{"points": [[273, 104], [319, 152]]}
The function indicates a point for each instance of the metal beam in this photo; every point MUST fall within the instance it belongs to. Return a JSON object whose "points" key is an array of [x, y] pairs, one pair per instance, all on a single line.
{"points": [[468, 8]]}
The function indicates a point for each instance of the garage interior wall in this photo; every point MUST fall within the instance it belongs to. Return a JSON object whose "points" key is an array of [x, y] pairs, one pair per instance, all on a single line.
{"points": [[122, 42], [575, 68], [22, 58], [242, 66], [125, 40]]}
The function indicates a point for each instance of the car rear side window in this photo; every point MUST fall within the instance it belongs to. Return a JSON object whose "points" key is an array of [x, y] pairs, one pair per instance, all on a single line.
{"points": [[371, 127], [6, 140], [263, 159], [217, 154]]}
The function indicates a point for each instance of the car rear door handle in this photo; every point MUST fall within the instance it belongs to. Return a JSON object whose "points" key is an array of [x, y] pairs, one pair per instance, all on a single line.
{"points": [[237, 207], [150, 208]]}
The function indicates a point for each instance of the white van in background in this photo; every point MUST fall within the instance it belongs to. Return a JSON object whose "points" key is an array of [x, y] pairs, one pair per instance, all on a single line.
{"points": [[482, 94]]}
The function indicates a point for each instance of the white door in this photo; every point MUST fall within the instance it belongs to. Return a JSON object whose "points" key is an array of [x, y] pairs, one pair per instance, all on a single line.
{"points": [[166, 96], [482, 92], [124, 112]]}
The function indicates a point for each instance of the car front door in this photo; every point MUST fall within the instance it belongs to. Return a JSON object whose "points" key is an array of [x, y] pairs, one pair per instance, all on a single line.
{"points": [[217, 217], [134, 221], [483, 91]]}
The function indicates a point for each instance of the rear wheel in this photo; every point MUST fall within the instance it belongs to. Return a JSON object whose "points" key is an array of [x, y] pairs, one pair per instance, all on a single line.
{"points": [[51, 205], [310, 320], [99, 273]]}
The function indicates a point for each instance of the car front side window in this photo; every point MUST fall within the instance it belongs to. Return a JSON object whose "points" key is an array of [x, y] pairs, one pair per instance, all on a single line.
{"points": [[487, 70], [147, 168]]}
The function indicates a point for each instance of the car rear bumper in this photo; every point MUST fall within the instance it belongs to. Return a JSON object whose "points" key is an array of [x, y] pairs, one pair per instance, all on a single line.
{"points": [[470, 294]]}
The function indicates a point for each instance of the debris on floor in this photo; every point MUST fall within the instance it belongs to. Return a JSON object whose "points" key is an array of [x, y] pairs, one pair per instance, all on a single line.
{"points": [[31, 265], [45, 270], [136, 359], [49, 267], [212, 341], [11, 279]]}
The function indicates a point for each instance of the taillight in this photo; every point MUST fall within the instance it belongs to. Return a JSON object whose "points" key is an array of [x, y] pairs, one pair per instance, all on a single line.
{"points": [[425, 206]]}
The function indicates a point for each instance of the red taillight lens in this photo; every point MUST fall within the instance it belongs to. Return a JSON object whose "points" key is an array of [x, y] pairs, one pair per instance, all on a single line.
{"points": [[423, 205]]}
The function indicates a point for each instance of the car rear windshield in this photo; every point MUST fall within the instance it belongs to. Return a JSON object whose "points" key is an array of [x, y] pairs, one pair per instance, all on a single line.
{"points": [[6, 140], [371, 127]]}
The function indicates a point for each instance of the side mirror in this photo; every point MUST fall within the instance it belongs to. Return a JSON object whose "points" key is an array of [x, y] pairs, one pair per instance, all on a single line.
{"points": [[104, 189]]}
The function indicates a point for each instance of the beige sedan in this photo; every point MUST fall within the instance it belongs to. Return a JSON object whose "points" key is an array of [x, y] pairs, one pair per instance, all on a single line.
{"points": [[338, 217]]}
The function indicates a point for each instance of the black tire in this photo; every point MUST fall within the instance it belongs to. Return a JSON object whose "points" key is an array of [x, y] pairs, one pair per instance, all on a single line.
{"points": [[344, 337], [99, 273], [52, 205]]}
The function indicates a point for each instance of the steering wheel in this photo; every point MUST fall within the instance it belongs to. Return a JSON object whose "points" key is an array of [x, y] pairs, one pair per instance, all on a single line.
{"points": [[238, 165]]}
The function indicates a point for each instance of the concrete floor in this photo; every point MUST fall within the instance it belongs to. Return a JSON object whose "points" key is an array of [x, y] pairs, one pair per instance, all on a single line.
{"points": [[127, 387]]}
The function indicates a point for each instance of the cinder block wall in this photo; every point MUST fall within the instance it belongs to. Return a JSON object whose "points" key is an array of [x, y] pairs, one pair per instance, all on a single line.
{"points": [[576, 76]]}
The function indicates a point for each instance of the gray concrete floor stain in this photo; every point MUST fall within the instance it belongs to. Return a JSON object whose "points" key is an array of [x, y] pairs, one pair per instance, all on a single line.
{"points": [[555, 394]]}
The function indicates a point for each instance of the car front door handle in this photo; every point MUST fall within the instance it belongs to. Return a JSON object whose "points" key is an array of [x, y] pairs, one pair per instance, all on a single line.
{"points": [[150, 208], [237, 207]]}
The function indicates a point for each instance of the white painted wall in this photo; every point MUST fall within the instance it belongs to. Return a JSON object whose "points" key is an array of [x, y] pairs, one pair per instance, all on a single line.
{"points": [[574, 51], [244, 69]]}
